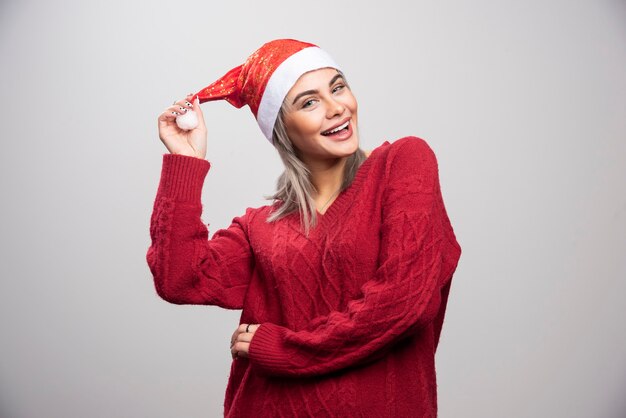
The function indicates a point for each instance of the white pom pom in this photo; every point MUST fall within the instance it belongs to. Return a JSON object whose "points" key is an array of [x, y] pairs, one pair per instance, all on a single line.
{"points": [[187, 121]]}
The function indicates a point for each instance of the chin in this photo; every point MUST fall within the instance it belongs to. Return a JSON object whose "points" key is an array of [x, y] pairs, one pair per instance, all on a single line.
{"points": [[343, 148]]}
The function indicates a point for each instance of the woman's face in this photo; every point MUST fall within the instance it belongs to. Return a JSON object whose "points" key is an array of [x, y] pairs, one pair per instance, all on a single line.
{"points": [[319, 102]]}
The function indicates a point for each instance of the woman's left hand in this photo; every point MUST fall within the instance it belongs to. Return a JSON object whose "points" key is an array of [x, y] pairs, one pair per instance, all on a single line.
{"points": [[240, 341]]}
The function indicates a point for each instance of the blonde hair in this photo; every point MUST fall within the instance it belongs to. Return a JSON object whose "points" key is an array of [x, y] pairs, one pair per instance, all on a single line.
{"points": [[294, 188]]}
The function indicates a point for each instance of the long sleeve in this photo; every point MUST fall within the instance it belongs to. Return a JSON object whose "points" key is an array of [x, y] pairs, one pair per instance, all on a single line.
{"points": [[188, 268], [404, 296]]}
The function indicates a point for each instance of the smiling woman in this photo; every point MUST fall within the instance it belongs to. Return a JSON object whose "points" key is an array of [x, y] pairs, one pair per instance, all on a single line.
{"points": [[320, 120], [343, 279], [311, 105]]}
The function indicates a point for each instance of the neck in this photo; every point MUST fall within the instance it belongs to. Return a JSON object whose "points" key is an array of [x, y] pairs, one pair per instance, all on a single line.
{"points": [[327, 176]]}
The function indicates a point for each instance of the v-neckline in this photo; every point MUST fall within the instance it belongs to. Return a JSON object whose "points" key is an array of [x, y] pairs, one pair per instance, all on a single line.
{"points": [[328, 205], [344, 196]]}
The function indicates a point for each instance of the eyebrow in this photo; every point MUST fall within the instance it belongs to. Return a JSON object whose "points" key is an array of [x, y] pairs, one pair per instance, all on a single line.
{"points": [[304, 93]]}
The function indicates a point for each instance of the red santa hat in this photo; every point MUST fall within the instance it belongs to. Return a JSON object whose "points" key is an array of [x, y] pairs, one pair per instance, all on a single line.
{"points": [[263, 81]]}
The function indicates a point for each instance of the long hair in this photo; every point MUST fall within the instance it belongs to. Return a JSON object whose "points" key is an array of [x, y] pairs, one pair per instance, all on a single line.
{"points": [[294, 188]]}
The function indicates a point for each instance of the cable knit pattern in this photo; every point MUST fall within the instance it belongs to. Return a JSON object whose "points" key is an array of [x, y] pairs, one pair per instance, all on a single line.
{"points": [[350, 315]]}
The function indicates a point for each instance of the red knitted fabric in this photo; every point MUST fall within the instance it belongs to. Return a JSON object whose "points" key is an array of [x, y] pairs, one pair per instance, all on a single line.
{"points": [[350, 315]]}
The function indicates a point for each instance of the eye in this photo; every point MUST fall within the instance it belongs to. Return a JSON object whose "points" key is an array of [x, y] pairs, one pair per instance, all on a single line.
{"points": [[307, 103], [338, 87]]}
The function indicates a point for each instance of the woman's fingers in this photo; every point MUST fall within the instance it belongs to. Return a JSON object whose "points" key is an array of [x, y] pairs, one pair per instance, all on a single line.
{"points": [[183, 104], [240, 349], [245, 337], [167, 116], [240, 341], [178, 108], [175, 110]]}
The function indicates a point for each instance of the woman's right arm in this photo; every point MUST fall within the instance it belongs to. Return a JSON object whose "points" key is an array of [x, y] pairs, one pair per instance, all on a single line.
{"points": [[188, 268]]}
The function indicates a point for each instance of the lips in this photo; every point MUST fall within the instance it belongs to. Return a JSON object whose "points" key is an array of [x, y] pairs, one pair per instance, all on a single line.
{"points": [[343, 124]]}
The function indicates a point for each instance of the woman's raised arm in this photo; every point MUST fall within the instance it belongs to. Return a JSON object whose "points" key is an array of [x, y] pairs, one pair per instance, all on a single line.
{"points": [[188, 268]]}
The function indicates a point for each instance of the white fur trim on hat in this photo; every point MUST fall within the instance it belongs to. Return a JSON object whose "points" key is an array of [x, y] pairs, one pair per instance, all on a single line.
{"points": [[283, 79]]}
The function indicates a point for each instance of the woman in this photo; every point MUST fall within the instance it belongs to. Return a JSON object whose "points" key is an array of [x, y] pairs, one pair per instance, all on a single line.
{"points": [[343, 280]]}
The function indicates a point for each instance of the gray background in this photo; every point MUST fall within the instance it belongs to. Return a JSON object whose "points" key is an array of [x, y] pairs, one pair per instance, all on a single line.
{"points": [[524, 104]]}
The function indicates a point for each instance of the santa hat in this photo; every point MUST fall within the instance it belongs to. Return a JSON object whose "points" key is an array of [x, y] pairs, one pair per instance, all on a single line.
{"points": [[263, 81]]}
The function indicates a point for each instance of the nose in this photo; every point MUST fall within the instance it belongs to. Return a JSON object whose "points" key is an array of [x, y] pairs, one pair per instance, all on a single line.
{"points": [[335, 108]]}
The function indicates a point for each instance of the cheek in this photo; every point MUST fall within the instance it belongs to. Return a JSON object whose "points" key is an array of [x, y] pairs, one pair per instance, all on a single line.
{"points": [[354, 105], [295, 128], [299, 131], [307, 125]]}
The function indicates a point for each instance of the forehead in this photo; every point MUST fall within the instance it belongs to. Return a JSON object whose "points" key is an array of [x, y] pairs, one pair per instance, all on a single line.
{"points": [[313, 80]]}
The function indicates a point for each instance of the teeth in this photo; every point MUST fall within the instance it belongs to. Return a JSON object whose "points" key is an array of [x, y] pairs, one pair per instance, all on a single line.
{"points": [[338, 128]]}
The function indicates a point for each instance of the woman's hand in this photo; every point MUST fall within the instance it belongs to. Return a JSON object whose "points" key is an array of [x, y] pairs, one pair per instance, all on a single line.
{"points": [[192, 143], [240, 341]]}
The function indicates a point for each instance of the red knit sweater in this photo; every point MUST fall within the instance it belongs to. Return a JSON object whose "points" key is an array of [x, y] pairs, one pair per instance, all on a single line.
{"points": [[350, 315]]}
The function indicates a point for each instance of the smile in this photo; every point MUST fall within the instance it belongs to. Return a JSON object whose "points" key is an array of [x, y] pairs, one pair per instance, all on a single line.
{"points": [[337, 129]]}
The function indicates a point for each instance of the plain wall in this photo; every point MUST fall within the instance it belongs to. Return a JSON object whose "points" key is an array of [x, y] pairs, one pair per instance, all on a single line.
{"points": [[524, 104]]}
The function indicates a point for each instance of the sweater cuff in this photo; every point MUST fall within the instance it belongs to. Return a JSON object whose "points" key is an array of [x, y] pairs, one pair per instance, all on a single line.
{"points": [[182, 177], [265, 351]]}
